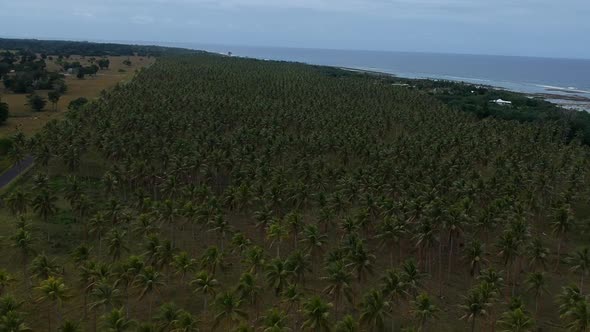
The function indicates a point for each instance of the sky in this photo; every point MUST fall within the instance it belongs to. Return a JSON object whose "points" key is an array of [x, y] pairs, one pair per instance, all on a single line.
{"points": [[546, 28]]}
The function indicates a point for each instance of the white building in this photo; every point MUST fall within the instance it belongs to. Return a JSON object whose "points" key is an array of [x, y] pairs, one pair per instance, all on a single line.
{"points": [[502, 102]]}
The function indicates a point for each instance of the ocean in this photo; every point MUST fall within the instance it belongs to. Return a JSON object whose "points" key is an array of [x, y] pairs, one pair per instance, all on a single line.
{"points": [[562, 81]]}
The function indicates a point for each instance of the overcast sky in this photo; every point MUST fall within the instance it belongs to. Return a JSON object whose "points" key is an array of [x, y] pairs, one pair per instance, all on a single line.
{"points": [[558, 28]]}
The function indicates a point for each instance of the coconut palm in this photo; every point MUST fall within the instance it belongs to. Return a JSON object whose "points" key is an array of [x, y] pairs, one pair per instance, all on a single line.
{"points": [[105, 295], [275, 321], [116, 321], [5, 280], [42, 267], [185, 322], [18, 202], [347, 324], [149, 281], [390, 234], [276, 233], [248, 290], [475, 305], [316, 313], [537, 284], [561, 224], [205, 284], [55, 291], [116, 240], [423, 310], [537, 254], [228, 309], [475, 255], [69, 326], [339, 282], [211, 259], [44, 204], [579, 262], [278, 275], [374, 309], [166, 315], [183, 264], [578, 316], [516, 320]]}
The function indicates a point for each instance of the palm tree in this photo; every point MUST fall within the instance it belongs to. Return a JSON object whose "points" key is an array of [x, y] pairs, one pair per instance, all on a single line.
{"points": [[105, 295], [314, 240], [205, 284], [339, 282], [44, 204], [536, 284], [117, 246], [53, 290], [211, 259], [69, 326], [23, 241], [537, 254], [149, 281], [13, 321], [98, 227], [347, 324], [474, 305], [391, 232], [248, 290], [423, 310], [186, 322], [411, 276], [579, 262], [17, 202], [43, 267], [475, 255], [116, 321], [299, 263], [569, 298], [255, 258], [374, 309], [278, 275], [361, 261], [221, 227], [183, 264], [317, 313], [228, 306], [5, 280], [166, 316], [561, 224], [276, 233], [516, 320], [275, 321], [578, 316]]}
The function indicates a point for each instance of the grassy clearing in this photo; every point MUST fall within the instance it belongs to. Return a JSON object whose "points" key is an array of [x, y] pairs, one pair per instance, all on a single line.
{"points": [[30, 122]]}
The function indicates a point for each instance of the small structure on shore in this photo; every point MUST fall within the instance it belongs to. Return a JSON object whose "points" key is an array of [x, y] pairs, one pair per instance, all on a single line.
{"points": [[502, 102]]}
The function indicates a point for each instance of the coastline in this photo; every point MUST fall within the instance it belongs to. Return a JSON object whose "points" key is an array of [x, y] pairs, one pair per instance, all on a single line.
{"points": [[568, 98]]}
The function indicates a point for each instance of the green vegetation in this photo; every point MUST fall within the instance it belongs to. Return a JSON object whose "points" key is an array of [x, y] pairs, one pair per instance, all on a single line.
{"points": [[215, 193], [68, 48]]}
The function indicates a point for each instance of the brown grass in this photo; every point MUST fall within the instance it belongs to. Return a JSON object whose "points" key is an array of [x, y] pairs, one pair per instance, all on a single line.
{"points": [[29, 122]]}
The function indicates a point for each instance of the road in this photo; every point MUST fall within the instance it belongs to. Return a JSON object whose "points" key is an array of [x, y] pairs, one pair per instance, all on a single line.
{"points": [[15, 170]]}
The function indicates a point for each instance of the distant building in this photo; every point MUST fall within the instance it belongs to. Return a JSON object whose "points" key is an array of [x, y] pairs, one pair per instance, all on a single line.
{"points": [[502, 102]]}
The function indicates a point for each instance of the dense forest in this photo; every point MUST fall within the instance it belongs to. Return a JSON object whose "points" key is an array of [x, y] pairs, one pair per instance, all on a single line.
{"points": [[62, 47], [217, 193]]}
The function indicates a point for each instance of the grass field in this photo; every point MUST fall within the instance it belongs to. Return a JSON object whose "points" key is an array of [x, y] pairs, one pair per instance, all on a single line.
{"points": [[29, 121]]}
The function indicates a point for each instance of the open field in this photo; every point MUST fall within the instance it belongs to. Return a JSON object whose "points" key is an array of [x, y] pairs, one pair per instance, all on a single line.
{"points": [[30, 122]]}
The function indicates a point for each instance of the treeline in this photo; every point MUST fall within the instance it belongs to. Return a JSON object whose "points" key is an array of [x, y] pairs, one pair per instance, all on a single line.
{"points": [[61, 47], [476, 99]]}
